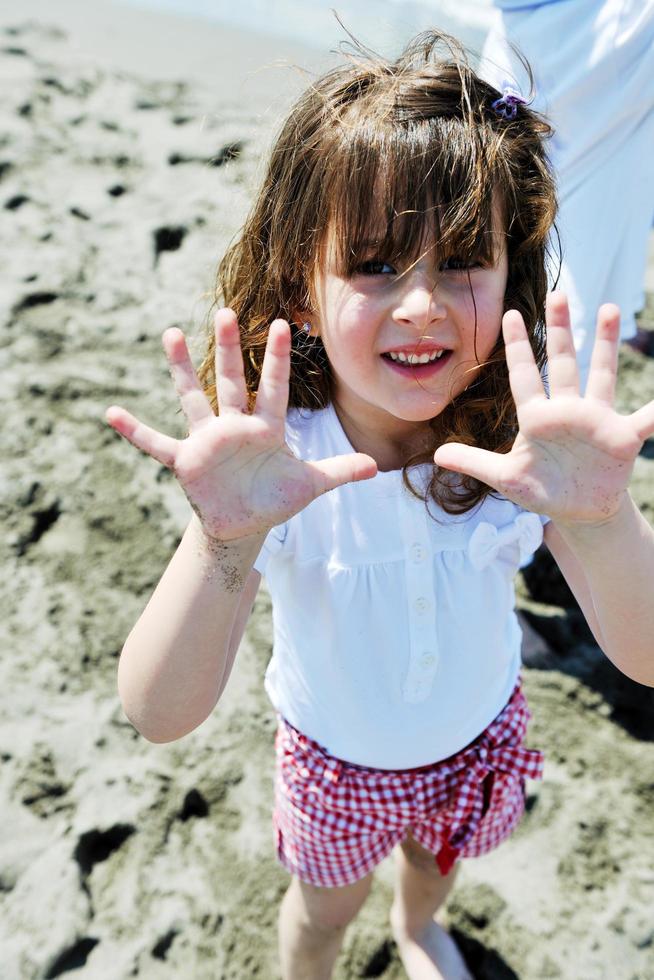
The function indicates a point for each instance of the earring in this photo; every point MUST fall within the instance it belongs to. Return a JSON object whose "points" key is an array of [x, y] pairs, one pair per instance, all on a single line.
{"points": [[307, 342], [309, 361]]}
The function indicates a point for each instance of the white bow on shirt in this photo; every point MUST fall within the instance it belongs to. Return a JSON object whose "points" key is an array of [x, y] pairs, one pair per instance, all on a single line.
{"points": [[526, 530]]}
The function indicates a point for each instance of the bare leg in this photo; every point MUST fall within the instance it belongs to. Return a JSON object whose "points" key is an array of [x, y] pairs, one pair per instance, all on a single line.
{"points": [[427, 951], [312, 925]]}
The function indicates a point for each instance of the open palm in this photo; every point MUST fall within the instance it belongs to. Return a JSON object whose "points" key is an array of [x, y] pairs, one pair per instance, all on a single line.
{"points": [[573, 456], [239, 475]]}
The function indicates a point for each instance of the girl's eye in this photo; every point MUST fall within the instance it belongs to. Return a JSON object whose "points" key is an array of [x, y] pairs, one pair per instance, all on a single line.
{"points": [[375, 267], [454, 264]]}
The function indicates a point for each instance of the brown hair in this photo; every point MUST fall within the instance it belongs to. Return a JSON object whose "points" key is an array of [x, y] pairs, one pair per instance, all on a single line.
{"points": [[415, 141]]}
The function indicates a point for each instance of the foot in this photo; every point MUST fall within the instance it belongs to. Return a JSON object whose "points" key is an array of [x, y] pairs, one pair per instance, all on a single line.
{"points": [[432, 956]]}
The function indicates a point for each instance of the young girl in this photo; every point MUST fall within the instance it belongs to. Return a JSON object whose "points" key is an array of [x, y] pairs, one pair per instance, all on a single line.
{"points": [[387, 453]]}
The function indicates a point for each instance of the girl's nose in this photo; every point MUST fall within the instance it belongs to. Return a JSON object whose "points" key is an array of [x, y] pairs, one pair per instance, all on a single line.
{"points": [[420, 301]]}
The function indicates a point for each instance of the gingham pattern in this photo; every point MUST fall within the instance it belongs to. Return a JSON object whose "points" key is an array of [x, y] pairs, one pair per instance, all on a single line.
{"points": [[334, 821]]}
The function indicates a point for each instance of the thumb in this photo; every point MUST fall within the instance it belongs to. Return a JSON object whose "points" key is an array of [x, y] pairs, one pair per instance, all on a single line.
{"points": [[482, 464], [336, 470]]}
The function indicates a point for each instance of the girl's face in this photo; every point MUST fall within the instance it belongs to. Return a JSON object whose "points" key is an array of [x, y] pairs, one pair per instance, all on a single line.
{"points": [[402, 342]]}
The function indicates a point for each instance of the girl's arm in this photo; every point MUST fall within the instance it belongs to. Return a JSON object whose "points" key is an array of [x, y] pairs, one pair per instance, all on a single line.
{"points": [[178, 657], [572, 460], [610, 570], [241, 480]]}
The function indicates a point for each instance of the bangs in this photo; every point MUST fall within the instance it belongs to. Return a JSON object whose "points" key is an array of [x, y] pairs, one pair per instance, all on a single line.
{"points": [[407, 184]]}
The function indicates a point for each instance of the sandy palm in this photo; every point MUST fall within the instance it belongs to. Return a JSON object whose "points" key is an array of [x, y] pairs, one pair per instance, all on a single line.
{"points": [[238, 473], [573, 456]]}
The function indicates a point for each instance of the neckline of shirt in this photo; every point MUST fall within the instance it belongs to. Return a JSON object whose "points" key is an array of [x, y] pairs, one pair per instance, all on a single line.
{"points": [[382, 476]]}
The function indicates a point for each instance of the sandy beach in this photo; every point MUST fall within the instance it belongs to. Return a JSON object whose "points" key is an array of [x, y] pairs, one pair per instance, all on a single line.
{"points": [[125, 170]]}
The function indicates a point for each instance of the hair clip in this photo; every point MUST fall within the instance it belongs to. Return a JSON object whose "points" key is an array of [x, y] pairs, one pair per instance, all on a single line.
{"points": [[306, 328], [507, 106]]}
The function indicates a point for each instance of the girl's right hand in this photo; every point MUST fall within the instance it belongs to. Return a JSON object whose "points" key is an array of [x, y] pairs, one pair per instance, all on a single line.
{"points": [[239, 475]]}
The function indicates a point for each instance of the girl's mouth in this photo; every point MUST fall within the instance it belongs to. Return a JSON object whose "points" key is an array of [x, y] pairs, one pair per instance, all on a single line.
{"points": [[417, 365]]}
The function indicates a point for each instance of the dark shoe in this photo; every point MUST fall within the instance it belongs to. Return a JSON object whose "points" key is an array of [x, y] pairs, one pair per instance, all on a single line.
{"points": [[643, 342]]}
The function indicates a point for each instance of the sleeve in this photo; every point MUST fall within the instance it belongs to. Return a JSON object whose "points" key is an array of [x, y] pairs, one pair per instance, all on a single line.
{"points": [[273, 543]]}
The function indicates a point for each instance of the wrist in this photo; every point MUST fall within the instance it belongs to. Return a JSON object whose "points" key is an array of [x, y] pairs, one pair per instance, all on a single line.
{"points": [[582, 530], [214, 542], [213, 539], [227, 562]]}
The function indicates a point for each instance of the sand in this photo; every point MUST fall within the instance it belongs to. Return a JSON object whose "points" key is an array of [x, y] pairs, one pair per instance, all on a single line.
{"points": [[119, 858]]}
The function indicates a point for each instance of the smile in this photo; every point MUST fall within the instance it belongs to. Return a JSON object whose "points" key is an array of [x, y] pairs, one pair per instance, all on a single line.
{"points": [[412, 365], [414, 358]]}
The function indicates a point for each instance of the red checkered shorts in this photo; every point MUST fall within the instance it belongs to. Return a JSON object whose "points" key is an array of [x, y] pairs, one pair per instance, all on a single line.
{"points": [[335, 821]]}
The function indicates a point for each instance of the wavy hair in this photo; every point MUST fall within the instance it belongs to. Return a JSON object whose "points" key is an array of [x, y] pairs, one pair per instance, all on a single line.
{"points": [[405, 151]]}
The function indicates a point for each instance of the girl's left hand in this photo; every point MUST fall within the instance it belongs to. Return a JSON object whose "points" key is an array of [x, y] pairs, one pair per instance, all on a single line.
{"points": [[573, 456]]}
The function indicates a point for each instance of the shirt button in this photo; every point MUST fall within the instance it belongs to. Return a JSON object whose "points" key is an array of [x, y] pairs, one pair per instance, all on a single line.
{"points": [[427, 660], [421, 605], [418, 553]]}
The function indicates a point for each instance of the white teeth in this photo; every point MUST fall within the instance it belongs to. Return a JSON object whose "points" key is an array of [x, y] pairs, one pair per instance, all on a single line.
{"points": [[415, 358]]}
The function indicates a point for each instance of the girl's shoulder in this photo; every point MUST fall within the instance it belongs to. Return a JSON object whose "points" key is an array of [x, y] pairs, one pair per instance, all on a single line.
{"points": [[315, 433]]}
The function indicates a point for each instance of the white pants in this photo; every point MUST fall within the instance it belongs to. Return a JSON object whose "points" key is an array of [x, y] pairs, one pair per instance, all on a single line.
{"points": [[593, 65]]}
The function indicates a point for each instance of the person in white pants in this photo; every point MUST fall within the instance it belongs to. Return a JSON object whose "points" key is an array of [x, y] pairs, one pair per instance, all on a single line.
{"points": [[593, 67]]}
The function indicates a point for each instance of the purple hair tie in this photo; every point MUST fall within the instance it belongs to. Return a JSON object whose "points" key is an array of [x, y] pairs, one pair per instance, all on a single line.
{"points": [[507, 105]]}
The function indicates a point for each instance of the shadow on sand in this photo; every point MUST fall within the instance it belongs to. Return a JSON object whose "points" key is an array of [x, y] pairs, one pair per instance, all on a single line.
{"points": [[552, 611]]}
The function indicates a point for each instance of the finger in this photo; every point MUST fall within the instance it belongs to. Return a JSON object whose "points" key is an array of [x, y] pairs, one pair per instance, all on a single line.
{"points": [[161, 447], [562, 371], [524, 376], [272, 395], [479, 463], [230, 378], [604, 361], [643, 420], [194, 402], [337, 470]]}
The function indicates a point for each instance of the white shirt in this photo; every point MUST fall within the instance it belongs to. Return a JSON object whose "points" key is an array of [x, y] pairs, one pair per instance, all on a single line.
{"points": [[395, 637], [521, 4]]}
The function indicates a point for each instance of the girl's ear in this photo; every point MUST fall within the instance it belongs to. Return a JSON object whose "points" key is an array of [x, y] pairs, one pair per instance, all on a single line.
{"points": [[307, 322]]}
